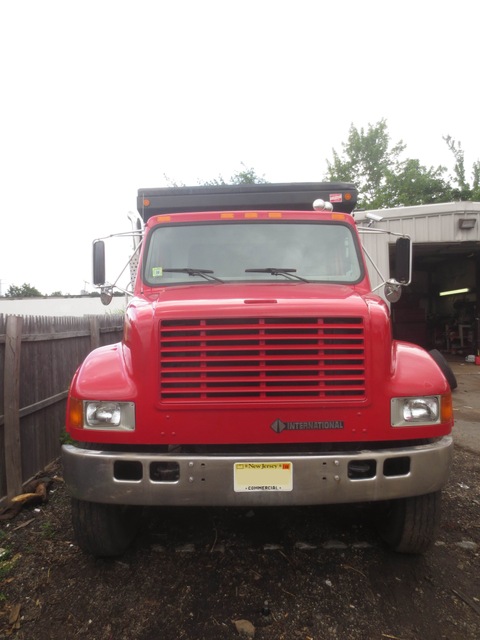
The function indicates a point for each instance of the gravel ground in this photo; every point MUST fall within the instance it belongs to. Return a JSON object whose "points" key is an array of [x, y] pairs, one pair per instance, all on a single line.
{"points": [[306, 573]]}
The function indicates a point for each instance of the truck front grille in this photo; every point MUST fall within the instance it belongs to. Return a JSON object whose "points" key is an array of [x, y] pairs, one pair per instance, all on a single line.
{"points": [[262, 358]]}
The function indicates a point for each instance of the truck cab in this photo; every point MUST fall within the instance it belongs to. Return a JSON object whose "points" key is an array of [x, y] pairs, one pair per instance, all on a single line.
{"points": [[257, 368]]}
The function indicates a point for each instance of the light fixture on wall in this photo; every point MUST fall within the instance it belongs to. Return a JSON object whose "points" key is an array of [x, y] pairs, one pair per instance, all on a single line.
{"points": [[454, 292], [467, 223]]}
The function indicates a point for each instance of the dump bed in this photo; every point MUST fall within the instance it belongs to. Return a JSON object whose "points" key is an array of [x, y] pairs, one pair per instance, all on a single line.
{"points": [[270, 196]]}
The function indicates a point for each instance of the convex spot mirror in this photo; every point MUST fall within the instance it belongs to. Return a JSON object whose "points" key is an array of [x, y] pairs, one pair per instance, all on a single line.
{"points": [[393, 291], [106, 295]]}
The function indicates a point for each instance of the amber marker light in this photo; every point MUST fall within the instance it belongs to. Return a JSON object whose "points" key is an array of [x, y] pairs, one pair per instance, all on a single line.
{"points": [[146, 202], [348, 196], [75, 408], [447, 408]]}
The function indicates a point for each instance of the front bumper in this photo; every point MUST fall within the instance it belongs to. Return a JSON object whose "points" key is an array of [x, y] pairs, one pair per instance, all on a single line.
{"points": [[208, 480]]}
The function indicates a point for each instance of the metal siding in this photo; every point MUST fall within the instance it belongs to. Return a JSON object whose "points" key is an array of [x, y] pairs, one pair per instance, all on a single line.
{"points": [[447, 228], [377, 247], [431, 222]]}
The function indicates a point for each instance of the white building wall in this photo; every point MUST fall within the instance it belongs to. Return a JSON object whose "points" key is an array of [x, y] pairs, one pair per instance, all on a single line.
{"points": [[430, 222], [79, 306]]}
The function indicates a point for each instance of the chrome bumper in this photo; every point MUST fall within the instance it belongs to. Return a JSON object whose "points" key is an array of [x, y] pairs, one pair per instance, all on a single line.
{"points": [[208, 480]]}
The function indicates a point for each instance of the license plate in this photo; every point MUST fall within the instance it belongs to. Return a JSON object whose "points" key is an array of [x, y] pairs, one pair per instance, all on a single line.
{"points": [[262, 476]]}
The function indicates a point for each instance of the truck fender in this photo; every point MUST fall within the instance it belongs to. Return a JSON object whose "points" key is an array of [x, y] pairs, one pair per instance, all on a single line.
{"points": [[104, 374], [445, 368]]}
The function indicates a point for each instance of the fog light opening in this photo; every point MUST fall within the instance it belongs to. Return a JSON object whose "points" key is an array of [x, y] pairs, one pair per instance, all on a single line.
{"points": [[396, 466], [362, 469], [128, 470], [164, 472]]}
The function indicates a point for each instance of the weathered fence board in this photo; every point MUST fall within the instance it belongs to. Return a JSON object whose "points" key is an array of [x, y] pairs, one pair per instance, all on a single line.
{"points": [[38, 357], [13, 452]]}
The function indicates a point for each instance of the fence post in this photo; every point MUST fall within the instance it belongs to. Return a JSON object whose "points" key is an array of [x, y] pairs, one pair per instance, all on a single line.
{"points": [[94, 333], [13, 452]]}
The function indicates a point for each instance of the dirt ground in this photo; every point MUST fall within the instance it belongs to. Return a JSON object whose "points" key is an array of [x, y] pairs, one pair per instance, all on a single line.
{"points": [[298, 573]]}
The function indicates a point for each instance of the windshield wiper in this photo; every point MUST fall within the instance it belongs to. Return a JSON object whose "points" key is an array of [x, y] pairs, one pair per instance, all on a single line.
{"points": [[203, 273], [275, 271]]}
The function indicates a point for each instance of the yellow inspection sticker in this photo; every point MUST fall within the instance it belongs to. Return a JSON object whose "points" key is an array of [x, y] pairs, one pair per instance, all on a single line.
{"points": [[262, 476]]}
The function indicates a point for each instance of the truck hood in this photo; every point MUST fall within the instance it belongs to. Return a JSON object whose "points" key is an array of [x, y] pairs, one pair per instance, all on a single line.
{"points": [[257, 299]]}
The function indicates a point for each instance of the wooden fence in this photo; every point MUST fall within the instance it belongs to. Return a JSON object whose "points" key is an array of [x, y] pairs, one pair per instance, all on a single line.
{"points": [[38, 357]]}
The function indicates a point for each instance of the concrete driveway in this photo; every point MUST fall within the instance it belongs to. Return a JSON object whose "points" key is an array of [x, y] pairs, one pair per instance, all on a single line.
{"points": [[466, 404]]}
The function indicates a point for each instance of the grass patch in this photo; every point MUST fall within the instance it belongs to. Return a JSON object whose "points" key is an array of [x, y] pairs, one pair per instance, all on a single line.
{"points": [[7, 563], [47, 529]]}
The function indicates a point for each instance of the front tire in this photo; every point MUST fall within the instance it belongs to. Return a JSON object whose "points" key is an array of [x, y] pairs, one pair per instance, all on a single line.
{"points": [[409, 525], [104, 529]]}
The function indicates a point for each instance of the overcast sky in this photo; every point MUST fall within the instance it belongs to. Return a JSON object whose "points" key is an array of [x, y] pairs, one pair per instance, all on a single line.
{"points": [[99, 98]]}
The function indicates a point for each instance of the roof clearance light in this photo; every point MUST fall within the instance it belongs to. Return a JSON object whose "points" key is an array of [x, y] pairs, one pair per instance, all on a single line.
{"points": [[453, 292], [321, 205]]}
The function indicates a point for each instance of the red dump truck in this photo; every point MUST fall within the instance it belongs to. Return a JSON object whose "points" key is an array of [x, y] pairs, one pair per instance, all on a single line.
{"points": [[257, 368]]}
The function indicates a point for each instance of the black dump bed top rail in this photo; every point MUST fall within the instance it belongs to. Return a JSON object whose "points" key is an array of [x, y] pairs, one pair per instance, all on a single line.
{"points": [[246, 197]]}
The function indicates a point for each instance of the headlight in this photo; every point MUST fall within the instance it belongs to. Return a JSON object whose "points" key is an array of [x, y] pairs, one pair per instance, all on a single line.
{"points": [[117, 416], [414, 411]]}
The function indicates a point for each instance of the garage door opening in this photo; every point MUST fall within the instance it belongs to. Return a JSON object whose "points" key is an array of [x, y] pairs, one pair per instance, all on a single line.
{"points": [[440, 310]]}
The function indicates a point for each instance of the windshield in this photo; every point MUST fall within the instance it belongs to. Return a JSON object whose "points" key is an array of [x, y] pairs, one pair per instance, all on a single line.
{"points": [[252, 251]]}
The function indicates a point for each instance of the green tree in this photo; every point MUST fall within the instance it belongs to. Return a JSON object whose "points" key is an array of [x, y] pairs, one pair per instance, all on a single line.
{"points": [[245, 175], [382, 177], [410, 183], [462, 189], [366, 160], [476, 181], [173, 183], [25, 291]]}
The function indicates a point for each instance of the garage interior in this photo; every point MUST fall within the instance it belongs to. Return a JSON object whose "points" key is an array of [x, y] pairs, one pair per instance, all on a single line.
{"points": [[439, 309]]}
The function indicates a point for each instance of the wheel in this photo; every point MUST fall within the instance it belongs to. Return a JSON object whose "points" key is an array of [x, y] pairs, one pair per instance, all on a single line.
{"points": [[409, 525], [104, 529], [445, 367]]}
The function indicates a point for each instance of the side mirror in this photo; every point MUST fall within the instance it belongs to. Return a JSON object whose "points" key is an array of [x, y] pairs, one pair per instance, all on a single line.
{"points": [[99, 262], [403, 261]]}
